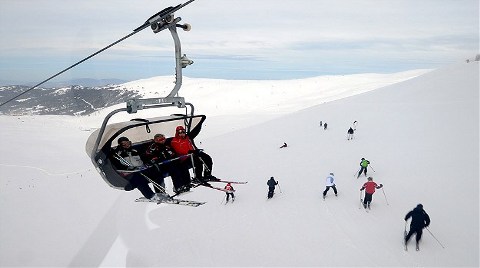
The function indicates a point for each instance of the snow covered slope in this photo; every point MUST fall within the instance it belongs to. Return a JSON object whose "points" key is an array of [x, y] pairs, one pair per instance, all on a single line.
{"points": [[421, 136]]}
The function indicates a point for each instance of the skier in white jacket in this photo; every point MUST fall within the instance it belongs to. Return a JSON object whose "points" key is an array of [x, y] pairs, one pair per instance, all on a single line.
{"points": [[330, 183]]}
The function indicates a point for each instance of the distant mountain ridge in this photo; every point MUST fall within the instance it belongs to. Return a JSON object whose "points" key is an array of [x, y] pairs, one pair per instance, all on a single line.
{"points": [[84, 100], [67, 100]]}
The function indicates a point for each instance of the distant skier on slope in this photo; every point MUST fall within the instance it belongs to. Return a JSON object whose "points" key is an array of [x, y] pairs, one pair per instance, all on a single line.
{"points": [[369, 188], [271, 187], [420, 220], [230, 192], [284, 145], [363, 167], [330, 183], [350, 134]]}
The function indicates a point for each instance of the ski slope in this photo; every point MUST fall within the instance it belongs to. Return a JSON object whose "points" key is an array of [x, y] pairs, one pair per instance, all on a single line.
{"points": [[421, 136]]}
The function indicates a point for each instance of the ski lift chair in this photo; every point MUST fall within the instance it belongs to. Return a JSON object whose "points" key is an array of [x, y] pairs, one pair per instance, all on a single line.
{"points": [[140, 133], [102, 142]]}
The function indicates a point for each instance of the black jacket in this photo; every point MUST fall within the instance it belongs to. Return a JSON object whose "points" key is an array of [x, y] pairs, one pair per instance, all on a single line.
{"points": [[157, 152], [420, 218], [271, 183]]}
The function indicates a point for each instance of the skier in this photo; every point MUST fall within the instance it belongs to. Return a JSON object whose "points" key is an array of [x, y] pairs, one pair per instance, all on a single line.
{"points": [[330, 183], [363, 167], [229, 188], [350, 134], [320, 123], [271, 187], [284, 145], [420, 220], [369, 188], [325, 126]]}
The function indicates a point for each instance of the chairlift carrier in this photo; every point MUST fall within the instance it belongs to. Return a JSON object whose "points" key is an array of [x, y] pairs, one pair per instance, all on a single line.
{"points": [[101, 142]]}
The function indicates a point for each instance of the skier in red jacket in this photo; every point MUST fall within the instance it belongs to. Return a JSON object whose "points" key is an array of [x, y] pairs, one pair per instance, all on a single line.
{"points": [[230, 192], [369, 188], [183, 144]]}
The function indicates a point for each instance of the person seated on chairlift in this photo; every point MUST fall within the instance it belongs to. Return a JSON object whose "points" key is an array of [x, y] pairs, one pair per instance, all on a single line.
{"points": [[164, 159], [130, 165], [183, 144]]}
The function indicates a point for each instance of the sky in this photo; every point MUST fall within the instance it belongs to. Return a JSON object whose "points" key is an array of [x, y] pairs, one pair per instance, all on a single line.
{"points": [[421, 136], [235, 39]]}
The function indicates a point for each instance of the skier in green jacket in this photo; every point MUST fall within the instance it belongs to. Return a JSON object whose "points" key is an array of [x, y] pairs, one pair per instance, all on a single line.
{"points": [[363, 167]]}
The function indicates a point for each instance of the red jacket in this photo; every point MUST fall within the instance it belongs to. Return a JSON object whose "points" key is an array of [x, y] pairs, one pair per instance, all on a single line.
{"points": [[229, 188], [370, 187], [181, 145]]}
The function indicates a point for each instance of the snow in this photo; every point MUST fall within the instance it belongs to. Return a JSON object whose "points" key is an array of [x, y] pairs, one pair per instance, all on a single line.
{"points": [[421, 136]]}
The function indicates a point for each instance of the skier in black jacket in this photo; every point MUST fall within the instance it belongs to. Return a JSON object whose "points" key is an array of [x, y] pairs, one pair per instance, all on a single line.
{"points": [[420, 220], [271, 187]]}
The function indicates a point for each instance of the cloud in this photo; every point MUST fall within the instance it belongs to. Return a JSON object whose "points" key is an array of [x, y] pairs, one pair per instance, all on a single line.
{"points": [[288, 34]]}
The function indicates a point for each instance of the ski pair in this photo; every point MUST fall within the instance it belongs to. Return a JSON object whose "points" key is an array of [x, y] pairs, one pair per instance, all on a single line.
{"points": [[228, 181], [208, 185], [417, 248], [172, 201], [166, 198]]}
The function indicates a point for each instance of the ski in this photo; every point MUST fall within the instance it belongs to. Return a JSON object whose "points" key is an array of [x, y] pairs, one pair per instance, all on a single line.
{"points": [[208, 185], [363, 206], [326, 197], [172, 201], [228, 181], [226, 202]]}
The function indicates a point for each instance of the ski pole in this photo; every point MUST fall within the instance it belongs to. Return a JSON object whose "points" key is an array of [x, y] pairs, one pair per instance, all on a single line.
{"points": [[385, 196], [356, 173], [360, 205], [372, 168], [405, 230], [434, 237], [279, 187]]}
